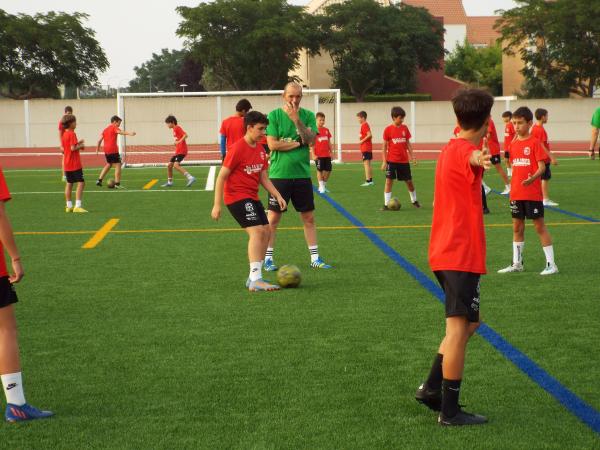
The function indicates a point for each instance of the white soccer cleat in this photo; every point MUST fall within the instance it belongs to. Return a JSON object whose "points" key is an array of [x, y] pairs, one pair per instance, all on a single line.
{"points": [[550, 203], [486, 189], [550, 269], [512, 268], [191, 180], [506, 191]]}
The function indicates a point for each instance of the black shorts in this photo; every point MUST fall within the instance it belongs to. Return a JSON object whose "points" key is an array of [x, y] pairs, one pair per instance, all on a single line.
{"points": [[113, 158], [248, 213], [367, 156], [547, 173], [506, 154], [496, 159], [177, 158], [323, 164], [398, 171], [74, 176], [529, 209], [298, 190], [8, 296], [461, 290]]}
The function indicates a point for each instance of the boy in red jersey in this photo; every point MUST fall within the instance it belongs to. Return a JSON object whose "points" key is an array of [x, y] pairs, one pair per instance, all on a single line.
{"points": [[181, 151], [538, 131], [494, 146], [73, 168], [365, 139], [111, 150], [528, 158], [457, 252], [396, 152], [232, 128], [320, 152], [61, 130], [244, 169], [509, 136]]}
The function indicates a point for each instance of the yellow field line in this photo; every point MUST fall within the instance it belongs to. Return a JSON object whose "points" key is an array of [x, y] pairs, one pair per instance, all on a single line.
{"points": [[150, 183], [100, 234]]}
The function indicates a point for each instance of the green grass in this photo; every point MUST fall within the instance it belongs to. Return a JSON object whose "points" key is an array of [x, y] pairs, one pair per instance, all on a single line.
{"points": [[151, 341]]}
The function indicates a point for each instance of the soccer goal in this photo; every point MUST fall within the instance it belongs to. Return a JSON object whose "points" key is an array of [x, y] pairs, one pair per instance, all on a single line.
{"points": [[200, 115]]}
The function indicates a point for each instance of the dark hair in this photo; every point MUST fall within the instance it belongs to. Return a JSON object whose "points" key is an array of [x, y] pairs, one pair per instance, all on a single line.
{"points": [[68, 110], [397, 111], [540, 112], [362, 114], [171, 119], [523, 113], [472, 108], [254, 117], [243, 105], [320, 114], [115, 119], [67, 120], [507, 114]]}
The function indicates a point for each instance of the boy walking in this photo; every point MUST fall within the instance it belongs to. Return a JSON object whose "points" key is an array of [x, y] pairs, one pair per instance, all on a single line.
{"points": [[111, 150], [72, 164], [538, 131], [321, 153], [181, 151], [528, 158], [366, 147], [494, 146], [509, 135]]}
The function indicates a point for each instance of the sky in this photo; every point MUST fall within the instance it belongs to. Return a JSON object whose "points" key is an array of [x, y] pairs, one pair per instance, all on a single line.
{"points": [[129, 31]]}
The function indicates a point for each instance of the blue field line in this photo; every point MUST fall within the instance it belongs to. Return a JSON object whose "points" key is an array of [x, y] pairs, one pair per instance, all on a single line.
{"points": [[567, 398]]}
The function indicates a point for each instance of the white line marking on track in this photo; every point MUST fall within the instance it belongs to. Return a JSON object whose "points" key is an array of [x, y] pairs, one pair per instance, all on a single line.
{"points": [[210, 180]]}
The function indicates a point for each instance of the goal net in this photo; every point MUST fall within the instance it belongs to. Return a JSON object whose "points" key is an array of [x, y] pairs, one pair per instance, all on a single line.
{"points": [[200, 115]]}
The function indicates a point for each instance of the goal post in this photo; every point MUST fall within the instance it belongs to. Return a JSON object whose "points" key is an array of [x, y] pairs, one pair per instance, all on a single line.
{"points": [[200, 114]]}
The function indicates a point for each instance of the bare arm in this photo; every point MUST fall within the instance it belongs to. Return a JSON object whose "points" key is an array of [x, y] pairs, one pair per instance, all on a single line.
{"points": [[536, 175], [549, 154], [306, 134], [8, 241], [183, 138], [366, 138], [481, 158], [594, 138], [132, 133], [410, 152], [99, 144], [276, 145], [219, 185], [79, 146]]}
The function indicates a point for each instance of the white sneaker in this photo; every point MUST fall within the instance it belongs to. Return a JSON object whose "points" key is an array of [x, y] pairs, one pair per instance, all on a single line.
{"points": [[321, 191], [191, 180], [550, 269], [367, 184], [506, 190], [167, 184], [486, 189], [550, 203], [512, 268]]}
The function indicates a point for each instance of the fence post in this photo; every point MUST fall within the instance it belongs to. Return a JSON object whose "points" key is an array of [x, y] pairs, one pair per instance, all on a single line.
{"points": [[413, 121], [27, 123]]}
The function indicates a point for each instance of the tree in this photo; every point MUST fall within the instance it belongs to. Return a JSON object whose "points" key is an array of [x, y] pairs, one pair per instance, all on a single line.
{"points": [[248, 44], [378, 48], [166, 71], [559, 42], [481, 67], [39, 53]]}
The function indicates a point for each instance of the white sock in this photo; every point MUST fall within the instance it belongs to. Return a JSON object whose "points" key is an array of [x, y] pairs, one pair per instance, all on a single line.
{"points": [[170, 180], [507, 186], [321, 185], [509, 171], [69, 204], [485, 186], [255, 271], [413, 196], [187, 175], [518, 252], [387, 196], [314, 252], [269, 254], [13, 388], [77, 203], [549, 252]]}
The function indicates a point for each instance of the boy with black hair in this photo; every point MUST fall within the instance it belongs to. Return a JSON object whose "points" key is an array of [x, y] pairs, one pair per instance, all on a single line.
{"points": [[457, 252], [243, 170], [61, 130], [72, 164], [365, 139], [232, 128], [509, 136], [181, 150], [528, 159], [396, 153], [111, 150], [538, 131], [320, 152]]}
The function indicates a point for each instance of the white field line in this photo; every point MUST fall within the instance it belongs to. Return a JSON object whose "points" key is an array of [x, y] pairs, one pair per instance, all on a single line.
{"points": [[210, 180], [123, 191]]}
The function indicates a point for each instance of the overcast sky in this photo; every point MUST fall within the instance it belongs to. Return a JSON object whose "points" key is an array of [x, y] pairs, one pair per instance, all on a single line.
{"points": [[129, 31]]}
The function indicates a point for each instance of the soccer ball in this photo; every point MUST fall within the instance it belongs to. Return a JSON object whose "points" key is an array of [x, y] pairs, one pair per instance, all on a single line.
{"points": [[394, 204], [110, 184], [289, 276]]}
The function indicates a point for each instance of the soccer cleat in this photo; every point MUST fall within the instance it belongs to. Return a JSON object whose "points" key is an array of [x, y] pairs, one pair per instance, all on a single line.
{"points": [[385, 208], [486, 210], [270, 265], [518, 267], [416, 204], [593, 154], [167, 184], [67, 209], [550, 269], [79, 209], [262, 285], [486, 189], [24, 412], [321, 191], [367, 183], [432, 398], [319, 264], [550, 203], [506, 190], [461, 418], [99, 183], [191, 180], [118, 186]]}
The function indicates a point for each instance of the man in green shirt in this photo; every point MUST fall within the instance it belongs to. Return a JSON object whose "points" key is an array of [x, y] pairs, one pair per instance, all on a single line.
{"points": [[595, 130], [290, 132]]}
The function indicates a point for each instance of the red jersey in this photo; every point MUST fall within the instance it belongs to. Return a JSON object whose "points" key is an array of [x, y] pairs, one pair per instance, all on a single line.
{"points": [[397, 139], [110, 135], [509, 134], [322, 141], [233, 129], [366, 146], [246, 164], [493, 142], [539, 132], [181, 148], [524, 157], [71, 157], [457, 234], [4, 197]]}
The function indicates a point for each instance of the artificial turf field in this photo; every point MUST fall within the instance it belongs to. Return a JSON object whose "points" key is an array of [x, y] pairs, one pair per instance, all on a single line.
{"points": [[149, 340]]}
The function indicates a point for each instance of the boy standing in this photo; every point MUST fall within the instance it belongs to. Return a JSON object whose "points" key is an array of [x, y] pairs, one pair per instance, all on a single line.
{"points": [[181, 150], [111, 150], [396, 151], [457, 253], [321, 153], [366, 147], [509, 135], [494, 146], [538, 131], [232, 128], [72, 164], [61, 130], [528, 158], [244, 168]]}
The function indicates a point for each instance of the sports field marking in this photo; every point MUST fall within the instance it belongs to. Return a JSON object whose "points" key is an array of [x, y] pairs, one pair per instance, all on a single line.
{"points": [[150, 183], [210, 180], [100, 234], [113, 192]]}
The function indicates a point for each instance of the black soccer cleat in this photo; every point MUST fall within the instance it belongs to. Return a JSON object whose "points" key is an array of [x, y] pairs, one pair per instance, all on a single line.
{"points": [[99, 183], [432, 398], [461, 418], [486, 211], [416, 204], [385, 208]]}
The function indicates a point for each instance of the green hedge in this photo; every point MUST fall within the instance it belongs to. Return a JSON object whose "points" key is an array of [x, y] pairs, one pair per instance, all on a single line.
{"points": [[389, 98]]}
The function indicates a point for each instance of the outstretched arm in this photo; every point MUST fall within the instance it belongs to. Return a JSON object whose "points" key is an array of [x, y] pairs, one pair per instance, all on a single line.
{"points": [[219, 185]]}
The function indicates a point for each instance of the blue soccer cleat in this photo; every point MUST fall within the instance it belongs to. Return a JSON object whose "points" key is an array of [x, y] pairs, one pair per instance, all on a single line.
{"points": [[24, 412], [270, 265], [262, 285], [320, 264]]}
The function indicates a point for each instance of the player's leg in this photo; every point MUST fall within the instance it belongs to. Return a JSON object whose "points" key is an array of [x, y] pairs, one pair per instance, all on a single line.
{"points": [[68, 194], [546, 241], [258, 237], [320, 179], [103, 173], [79, 197], [367, 157], [413, 193], [284, 186], [546, 176], [387, 191], [508, 164], [484, 199], [518, 240], [118, 168], [498, 165], [169, 173], [190, 179]]}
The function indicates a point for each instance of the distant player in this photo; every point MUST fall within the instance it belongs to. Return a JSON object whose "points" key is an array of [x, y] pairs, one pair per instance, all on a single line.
{"points": [[73, 168], [321, 153], [61, 130], [17, 409], [111, 150], [365, 139], [509, 135], [538, 131], [494, 146], [528, 160], [595, 132], [244, 169], [397, 152], [232, 128], [181, 151], [457, 251]]}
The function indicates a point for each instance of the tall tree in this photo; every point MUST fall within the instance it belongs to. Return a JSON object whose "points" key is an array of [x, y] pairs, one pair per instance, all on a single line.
{"points": [[481, 67], [248, 44], [41, 52], [166, 71], [559, 42], [378, 48]]}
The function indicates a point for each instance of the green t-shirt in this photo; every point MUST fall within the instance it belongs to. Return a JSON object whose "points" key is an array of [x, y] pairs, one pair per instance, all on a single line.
{"points": [[596, 119], [293, 163]]}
